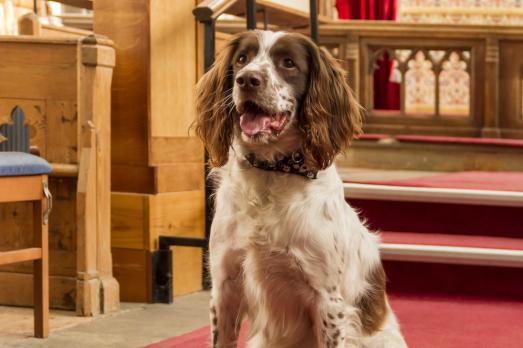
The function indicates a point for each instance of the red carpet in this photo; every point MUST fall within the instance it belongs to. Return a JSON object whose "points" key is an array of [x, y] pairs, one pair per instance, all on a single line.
{"points": [[457, 219], [460, 219], [499, 181], [451, 240], [448, 218], [446, 323], [444, 140], [454, 281], [455, 225], [428, 323]]}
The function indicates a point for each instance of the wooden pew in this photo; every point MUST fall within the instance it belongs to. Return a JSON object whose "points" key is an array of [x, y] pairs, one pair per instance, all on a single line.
{"points": [[63, 84], [29, 24]]}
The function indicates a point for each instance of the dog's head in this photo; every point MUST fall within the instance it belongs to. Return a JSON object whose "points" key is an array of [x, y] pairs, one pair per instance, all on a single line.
{"points": [[276, 90]]}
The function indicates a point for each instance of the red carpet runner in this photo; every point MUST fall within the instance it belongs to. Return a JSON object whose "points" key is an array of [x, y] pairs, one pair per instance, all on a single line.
{"points": [[499, 181], [428, 323]]}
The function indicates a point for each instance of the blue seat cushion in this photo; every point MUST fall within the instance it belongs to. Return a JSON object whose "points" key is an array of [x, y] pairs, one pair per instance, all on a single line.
{"points": [[21, 163]]}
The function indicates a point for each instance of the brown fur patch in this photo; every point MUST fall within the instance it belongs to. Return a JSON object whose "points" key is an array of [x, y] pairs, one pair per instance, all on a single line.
{"points": [[214, 123], [288, 47], [373, 304], [330, 115]]}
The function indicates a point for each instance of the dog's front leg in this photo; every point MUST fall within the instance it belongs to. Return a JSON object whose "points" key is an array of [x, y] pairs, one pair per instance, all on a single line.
{"points": [[227, 305], [337, 324]]}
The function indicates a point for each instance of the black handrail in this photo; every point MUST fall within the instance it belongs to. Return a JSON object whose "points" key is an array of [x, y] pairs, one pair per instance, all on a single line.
{"points": [[313, 17], [211, 9], [250, 6]]}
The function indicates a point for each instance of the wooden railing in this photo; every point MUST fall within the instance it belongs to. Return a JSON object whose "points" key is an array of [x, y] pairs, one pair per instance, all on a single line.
{"points": [[480, 62]]}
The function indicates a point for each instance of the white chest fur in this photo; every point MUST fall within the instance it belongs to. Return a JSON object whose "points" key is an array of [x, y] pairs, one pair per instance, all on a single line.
{"points": [[283, 211], [283, 248]]}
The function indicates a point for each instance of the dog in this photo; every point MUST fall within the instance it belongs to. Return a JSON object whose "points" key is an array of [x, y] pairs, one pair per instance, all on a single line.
{"points": [[286, 250]]}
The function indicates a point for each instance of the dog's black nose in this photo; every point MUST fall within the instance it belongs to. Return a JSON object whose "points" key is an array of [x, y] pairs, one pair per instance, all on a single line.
{"points": [[249, 80]]}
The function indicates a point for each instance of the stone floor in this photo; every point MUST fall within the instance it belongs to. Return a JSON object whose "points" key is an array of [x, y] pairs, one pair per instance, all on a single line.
{"points": [[136, 325]]}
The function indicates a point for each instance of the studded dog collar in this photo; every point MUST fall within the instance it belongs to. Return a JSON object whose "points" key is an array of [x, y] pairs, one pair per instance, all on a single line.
{"points": [[293, 164]]}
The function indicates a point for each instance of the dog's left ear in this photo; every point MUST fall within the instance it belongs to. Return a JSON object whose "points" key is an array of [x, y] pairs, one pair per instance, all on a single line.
{"points": [[214, 123], [330, 116]]}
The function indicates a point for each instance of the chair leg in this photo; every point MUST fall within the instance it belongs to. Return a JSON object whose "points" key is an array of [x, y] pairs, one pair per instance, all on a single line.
{"points": [[41, 273]]}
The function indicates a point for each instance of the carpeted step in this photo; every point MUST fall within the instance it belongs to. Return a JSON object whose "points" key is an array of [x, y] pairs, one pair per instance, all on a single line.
{"points": [[435, 209], [458, 219], [442, 239], [444, 279], [480, 251], [453, 249], [471, 180], [442, 264]]}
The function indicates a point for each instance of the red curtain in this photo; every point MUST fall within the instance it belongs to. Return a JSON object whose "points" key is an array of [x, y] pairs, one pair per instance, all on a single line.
{"points": [[386, 93]]}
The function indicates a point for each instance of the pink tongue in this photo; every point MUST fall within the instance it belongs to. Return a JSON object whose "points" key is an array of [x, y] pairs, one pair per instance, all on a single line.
{"points": [[252, 123]]}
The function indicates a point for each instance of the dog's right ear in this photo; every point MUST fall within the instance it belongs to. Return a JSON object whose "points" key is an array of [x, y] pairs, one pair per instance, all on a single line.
{"points": [[330, 115], [214, 122]]}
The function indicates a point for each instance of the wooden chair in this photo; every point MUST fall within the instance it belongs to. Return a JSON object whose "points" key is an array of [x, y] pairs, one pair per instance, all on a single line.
{"points": [[23, 177]]}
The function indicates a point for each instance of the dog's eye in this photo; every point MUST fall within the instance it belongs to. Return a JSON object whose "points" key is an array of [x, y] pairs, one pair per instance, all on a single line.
{"points": [[242, 59], [288, 63]]}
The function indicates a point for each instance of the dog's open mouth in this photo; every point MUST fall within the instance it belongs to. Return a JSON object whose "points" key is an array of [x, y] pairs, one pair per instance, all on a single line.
{"points": [[256, 121]]}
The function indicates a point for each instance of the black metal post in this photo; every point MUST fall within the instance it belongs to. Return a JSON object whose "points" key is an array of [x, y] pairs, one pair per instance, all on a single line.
{"points": [[250, 8], [209, 54], [313, 14], [162, 271], [265, 20], [208, 48]]}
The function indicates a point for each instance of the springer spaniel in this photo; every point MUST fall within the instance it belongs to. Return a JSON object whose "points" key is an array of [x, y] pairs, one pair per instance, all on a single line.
{"points": [[286, 250]]}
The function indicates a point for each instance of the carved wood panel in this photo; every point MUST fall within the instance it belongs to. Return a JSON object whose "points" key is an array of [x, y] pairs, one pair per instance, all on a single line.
{"points": [[53, 126], [447, 105], [35, 117], [511, 88]]}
